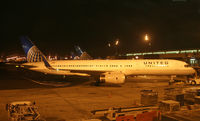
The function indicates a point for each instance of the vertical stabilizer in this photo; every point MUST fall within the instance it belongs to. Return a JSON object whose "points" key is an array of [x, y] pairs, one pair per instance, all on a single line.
{"points": [[33, 54], [78, 50], [82, 55]]}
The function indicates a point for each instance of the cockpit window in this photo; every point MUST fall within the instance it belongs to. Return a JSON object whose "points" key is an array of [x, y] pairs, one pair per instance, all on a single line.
{"points": [[187, 65]]}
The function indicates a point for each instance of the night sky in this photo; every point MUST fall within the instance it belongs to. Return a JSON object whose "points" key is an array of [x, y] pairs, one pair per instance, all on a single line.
{"points": [[56, 26]]}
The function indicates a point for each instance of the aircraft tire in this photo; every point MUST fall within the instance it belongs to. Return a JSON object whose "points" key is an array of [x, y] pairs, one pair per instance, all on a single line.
{"points": [[97, 83], [193, 82]]}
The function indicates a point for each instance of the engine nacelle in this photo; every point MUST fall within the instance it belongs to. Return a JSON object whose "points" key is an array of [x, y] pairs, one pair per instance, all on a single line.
{"points": [[115, 78]]}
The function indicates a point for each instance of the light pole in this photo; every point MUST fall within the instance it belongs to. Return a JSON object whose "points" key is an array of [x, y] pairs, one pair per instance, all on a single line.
{"points": [[109, 45]]}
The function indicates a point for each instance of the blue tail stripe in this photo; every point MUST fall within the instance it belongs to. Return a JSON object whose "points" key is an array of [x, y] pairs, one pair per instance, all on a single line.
{"points": [[26, 43], [78, 50], [33, 54], [46, 63]]}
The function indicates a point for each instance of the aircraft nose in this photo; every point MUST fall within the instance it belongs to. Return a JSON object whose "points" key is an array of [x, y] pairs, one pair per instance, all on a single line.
{"points": [[192, 70]]}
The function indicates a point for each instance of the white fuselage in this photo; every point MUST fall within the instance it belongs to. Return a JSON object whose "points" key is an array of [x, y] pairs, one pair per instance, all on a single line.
{"points": [[127, 67]]}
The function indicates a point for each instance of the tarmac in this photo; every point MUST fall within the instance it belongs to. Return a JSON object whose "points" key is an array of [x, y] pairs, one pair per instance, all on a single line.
{"points": [[69, 100]]}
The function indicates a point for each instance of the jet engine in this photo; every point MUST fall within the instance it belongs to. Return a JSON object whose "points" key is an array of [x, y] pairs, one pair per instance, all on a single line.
{"points": [[115, 78]]}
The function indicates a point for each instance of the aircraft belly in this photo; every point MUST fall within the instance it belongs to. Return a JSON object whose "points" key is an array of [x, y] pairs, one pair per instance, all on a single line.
{"points": [[58, 72], [160, 72]]}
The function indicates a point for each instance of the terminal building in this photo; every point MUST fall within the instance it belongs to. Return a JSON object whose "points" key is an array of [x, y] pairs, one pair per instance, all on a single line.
{"points": [[191, 56]]}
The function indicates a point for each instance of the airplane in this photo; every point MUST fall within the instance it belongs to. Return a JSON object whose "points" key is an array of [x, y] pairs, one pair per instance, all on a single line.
{"points": [[107, 71]]}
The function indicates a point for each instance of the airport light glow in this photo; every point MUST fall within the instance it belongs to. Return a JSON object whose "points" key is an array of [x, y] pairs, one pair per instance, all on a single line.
{"points": [[117, 42], [146, 37], [109, 45]]}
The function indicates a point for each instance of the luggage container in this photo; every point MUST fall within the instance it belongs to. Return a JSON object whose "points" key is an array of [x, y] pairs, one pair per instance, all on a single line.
{"points": [[148, 97], [169, 106]]}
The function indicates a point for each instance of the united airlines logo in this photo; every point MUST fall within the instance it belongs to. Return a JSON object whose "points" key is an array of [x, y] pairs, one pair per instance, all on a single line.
{"points": [[24, 46], [156, 63], [34, 55]]}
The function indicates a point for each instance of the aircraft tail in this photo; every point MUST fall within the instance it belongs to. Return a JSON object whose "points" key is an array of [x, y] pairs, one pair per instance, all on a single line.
{"points": [[82, 55], [33, 54], [78, 50]]}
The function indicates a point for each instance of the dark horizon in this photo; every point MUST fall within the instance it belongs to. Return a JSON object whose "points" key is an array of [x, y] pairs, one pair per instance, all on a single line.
{"points": [[56, 27]]}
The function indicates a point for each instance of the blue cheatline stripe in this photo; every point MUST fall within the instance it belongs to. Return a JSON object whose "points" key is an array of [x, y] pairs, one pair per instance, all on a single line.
{"points": [[45, 62], [39, 56]]}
